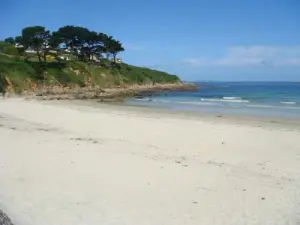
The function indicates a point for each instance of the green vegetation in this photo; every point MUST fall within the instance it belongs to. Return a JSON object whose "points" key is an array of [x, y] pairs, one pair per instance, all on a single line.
{"points": [[88, 59], [24, 74]]}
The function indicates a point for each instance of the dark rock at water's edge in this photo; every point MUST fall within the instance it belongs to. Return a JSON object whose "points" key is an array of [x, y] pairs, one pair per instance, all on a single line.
{"points": [[4, 219], [140, 96], [152, 91]]}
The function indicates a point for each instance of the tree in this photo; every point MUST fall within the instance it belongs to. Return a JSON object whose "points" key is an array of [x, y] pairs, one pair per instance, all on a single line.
{"points": [[37, 38], [18, 39], [96, 44], [74, 38], [107, 41], [115, 48], [10, 40], [19, 46], [83, 43]]}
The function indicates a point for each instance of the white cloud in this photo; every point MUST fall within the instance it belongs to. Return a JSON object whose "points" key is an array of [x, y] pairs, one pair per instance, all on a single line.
{"points": [[252, 56]]}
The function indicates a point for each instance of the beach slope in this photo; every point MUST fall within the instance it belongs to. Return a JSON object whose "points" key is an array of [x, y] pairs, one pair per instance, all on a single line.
{"points": [[73, 164]]}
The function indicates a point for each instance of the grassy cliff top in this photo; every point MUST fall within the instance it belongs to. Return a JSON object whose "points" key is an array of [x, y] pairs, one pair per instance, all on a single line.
{"points": [[19, 74]]}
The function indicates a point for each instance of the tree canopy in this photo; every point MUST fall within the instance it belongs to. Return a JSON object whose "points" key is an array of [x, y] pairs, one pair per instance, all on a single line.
{"points": [[10, 40], [81, 42], [84, 43], [37, 38]]}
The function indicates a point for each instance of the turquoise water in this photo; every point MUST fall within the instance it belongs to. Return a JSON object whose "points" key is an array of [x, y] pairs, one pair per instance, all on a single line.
{"points": [[247, 98]]}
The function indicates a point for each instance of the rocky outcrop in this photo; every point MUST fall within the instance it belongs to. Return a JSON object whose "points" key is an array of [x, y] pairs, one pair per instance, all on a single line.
{"points": [[110, 94], [6, 86]]}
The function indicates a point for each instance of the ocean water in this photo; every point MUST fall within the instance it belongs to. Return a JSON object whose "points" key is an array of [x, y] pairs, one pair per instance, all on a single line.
{"points": [[280, 99]]}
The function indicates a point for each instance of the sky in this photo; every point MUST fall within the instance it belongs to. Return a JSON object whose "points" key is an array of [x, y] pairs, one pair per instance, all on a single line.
{"points": [[234, 40]]}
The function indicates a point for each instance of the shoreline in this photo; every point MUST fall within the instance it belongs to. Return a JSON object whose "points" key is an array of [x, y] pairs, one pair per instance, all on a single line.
{"points": [[253, 120]]}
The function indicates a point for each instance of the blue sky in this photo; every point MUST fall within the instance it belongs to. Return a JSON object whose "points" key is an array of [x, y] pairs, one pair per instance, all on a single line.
{"points": [[195, 39]]}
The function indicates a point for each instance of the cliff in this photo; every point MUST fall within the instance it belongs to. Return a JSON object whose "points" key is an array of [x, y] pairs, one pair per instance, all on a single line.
{"points": [[18, 75]]}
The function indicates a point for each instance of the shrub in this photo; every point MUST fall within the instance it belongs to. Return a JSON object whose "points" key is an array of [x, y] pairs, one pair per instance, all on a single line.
{"points": [[11, 50]]}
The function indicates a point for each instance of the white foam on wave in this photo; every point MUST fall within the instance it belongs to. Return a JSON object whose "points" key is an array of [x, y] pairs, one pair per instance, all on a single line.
{"points": [[203, 101], [232, 98], [161, 100], [289, 103], [186, 102], [262, 106], [226, 99], [199, 103], [142, 99], [222, 102]]}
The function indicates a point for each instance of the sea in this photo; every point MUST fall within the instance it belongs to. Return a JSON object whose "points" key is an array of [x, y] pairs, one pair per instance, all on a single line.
{"points": [[267, 99]]}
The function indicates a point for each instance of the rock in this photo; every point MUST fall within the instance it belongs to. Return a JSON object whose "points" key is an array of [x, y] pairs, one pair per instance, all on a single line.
{"points": [[4, 219]]}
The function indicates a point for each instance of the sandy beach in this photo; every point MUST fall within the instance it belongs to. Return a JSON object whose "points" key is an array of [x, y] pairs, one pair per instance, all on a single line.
{"points": [[70, 163]]}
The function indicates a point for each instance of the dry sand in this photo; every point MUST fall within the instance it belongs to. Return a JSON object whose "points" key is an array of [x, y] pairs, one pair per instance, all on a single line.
{"points": [[73, 164]]}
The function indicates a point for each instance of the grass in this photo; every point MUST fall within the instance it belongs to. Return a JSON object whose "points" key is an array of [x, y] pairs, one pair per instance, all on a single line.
{"points": [[23, 74], [134, 74]]}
